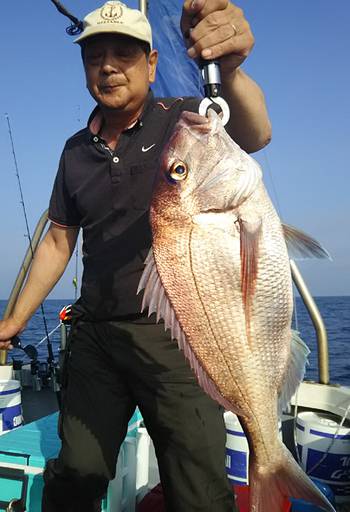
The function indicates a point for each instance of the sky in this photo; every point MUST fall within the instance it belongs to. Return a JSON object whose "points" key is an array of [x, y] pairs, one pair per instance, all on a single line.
{"points": [[301, 61]]}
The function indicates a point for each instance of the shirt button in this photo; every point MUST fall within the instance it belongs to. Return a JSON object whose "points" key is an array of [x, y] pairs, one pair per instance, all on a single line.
{"points": [[115, 159], [95, 139]]}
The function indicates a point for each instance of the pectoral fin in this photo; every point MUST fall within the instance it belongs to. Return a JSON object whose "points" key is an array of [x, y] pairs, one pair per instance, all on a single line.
{"points": [[249, 238], [301, 246]]}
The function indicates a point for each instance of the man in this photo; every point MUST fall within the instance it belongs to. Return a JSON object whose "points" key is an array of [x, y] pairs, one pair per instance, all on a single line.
{"points": [[117, 357]]}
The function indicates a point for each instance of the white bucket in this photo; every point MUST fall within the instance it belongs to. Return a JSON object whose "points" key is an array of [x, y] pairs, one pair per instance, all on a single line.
{"points": [[6, 372], [237, 450], [315, 436], [143, 442], [122, 490], [10, 405]]}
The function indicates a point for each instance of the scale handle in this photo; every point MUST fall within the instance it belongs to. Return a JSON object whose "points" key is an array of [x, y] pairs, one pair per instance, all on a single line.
{"points": [[211, 78]]}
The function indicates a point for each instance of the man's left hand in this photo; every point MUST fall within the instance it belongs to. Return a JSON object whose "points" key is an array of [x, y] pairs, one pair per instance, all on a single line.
{"points": [[216, 29]]}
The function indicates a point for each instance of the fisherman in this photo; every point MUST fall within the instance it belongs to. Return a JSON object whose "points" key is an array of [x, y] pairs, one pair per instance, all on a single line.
{"points": [[118, 358]]}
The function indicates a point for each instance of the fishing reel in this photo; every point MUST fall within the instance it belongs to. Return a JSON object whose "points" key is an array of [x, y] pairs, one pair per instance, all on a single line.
{"points": [[41, 372], [32, 353], [29, 350]]}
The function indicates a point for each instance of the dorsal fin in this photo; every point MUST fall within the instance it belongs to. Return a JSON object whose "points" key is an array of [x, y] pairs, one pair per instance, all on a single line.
{"points": [[300, 245]]}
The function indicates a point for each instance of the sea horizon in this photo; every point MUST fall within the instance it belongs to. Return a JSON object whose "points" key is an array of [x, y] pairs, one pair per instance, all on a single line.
{"points": [[334, 310]]}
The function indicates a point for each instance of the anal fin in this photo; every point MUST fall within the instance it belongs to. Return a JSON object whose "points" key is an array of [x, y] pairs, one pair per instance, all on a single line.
{"points": [[156, 300], [295, 372]]}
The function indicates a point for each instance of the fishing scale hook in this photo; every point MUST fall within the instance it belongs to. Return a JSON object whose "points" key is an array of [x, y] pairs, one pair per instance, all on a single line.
{"points": [[210, 71]]}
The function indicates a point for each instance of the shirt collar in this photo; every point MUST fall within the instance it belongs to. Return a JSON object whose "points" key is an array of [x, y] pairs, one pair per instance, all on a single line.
{"points": [[96, 118]]}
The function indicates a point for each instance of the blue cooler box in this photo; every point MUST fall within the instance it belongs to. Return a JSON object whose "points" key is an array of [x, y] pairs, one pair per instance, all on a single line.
{"points": [[23, 454], [303, 506]]}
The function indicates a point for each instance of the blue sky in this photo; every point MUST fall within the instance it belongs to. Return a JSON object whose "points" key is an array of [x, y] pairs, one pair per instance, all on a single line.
{"points": [[301, 60]]}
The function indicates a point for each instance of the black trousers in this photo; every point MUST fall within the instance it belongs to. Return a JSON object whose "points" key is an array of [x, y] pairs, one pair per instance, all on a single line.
{"points": [[111, 368]]}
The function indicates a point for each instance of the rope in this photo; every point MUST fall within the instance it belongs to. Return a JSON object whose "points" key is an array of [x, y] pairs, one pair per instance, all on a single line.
{"points": [[77, 25], [318, 463]]}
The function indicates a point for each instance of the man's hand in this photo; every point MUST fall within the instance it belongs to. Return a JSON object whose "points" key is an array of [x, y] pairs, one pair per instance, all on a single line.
{"points": [[216, 29], [8, 329], [50, 261]]}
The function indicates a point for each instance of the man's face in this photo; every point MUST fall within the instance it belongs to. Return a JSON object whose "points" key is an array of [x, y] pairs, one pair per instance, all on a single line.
{"points": [[118, 72]]}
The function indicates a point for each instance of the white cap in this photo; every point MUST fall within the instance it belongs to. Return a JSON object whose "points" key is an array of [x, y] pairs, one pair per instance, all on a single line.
{"points": [[116, 18]]}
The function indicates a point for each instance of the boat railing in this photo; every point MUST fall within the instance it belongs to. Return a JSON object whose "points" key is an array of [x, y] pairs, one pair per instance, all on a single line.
{"points": [[22, 274], [316, 318], [313, 311]]}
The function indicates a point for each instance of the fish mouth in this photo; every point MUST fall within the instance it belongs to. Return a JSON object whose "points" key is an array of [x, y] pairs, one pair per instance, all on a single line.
{"points": [[194, 118], [196, 122]]}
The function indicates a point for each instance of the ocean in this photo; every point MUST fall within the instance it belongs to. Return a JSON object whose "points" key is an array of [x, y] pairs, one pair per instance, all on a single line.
{"points": [[334, 310]]}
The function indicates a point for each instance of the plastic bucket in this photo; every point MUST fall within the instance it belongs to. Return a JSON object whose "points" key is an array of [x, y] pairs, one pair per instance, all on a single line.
{"points": [[316, 434], [10, 405], [237, 450]]}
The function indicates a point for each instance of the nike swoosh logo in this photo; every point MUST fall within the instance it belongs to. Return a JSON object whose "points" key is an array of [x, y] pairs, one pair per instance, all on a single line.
{"points": [[144, 150]]}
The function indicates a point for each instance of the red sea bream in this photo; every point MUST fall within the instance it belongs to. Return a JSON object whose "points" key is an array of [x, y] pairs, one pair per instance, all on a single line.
{"points": [[219, 274]]}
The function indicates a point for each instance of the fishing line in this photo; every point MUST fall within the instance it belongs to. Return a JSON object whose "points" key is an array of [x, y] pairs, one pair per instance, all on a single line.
{"points": [[279, 211], [295, 311], [335, 435], [296, 319], [295, 426], [331, 443], [75, 278], [45, 337], [274, 190], [49, 346]]}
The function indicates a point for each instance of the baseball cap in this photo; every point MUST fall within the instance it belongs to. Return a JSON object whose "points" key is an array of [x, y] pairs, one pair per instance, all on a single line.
{"points": [[116, 18]]}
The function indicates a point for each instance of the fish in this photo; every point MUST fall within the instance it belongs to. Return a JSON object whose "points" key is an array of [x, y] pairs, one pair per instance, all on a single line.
{"points": [[218, 274]]}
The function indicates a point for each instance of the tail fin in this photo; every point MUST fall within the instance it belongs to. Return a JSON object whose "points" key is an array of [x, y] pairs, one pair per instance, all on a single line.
{"points": [[270, 490]]}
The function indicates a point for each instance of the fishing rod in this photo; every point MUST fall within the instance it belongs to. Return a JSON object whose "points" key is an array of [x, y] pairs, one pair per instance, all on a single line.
{"points": [[51, 358], [77, 25]]}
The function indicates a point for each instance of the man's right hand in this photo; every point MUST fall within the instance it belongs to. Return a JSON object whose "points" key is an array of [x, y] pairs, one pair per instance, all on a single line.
{"points": [[8, 329], [50, 261]]}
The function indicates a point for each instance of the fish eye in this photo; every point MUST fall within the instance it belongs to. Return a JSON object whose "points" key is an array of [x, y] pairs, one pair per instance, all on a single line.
{"points": [[178, 171]]}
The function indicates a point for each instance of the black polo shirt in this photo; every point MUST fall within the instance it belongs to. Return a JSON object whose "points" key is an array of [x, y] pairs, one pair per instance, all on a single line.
{"points": [[108, 195]]}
